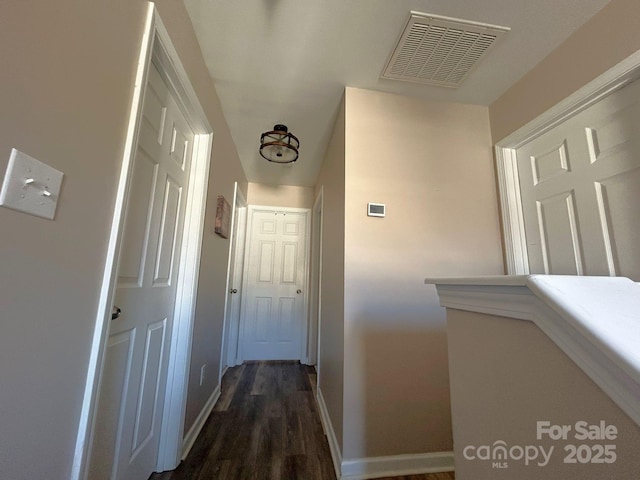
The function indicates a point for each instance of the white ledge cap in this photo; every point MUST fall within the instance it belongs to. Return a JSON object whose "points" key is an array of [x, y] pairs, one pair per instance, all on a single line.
{"points": [[604, 311], [488, 280]]}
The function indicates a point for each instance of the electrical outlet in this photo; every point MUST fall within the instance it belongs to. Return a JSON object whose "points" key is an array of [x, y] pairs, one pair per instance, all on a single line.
{"points": [[203, 371]]}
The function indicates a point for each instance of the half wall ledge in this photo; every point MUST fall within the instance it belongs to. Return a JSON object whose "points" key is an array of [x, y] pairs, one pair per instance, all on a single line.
{"points": [[595, 321]]}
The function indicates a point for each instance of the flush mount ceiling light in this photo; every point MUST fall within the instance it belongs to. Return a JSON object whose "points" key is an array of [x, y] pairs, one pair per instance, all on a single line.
{"points": [[279, 146]]}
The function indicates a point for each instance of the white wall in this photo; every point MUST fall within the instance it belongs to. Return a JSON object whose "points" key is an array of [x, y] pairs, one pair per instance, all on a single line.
{"points": [[67, 82]]}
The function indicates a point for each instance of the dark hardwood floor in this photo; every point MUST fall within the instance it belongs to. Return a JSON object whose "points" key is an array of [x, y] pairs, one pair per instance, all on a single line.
{"points": [[265, 426]]}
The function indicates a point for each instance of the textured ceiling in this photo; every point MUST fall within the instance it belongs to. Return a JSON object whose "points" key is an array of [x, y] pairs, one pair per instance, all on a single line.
{"points": [[288, 61]]}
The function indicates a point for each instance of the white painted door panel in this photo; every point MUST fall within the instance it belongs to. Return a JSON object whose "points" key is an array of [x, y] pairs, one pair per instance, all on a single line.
{"points": [[274, 300], [131, 397], [580, 185]]}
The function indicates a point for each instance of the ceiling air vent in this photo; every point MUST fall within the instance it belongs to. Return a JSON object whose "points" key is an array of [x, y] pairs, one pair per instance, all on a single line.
{"points": [[442, 51]]}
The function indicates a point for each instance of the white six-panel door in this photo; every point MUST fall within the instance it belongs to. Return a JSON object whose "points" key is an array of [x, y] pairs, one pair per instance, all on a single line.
{"points": [[274, 301], [134, 376], [580, 185]]}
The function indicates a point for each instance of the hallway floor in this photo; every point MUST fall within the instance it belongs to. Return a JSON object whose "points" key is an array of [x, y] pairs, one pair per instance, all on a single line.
{"points": [[264, 426]]}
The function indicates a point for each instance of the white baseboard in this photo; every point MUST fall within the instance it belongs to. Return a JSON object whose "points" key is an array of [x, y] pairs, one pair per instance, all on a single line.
{"points": [[397, 465], [334, 447], [375, 467], [194, 431]]}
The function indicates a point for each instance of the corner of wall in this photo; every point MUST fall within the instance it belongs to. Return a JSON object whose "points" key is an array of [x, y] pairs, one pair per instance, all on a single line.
{"points": [[331, 353]]}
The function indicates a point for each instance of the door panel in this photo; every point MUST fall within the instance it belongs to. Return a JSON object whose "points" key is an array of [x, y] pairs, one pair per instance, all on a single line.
{"points": [[136, 362], [150, 379], [274, 300], [580, 187], [550, 164], [289, 263], [616, 199], [265, 269], [287, 317], [262, 319], [559, 236], [116, 372], [179, 145], [169, 224], [134, 243]]}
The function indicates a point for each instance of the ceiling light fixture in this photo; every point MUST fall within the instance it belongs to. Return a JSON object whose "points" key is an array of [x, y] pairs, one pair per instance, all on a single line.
{"points": [[279, 146]]}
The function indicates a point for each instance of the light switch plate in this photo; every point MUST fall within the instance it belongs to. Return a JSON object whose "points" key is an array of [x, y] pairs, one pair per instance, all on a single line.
{"points": [[30, 186]]}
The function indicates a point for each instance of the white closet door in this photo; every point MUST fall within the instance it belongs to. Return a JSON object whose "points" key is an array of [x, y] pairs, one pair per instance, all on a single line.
{"points": [[580, 186], [131, 398], [274, 303]]}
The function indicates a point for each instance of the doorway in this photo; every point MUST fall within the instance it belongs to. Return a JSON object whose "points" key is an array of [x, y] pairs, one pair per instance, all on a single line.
{"points": [[145, 388], [568, 181], [229, 354], [315, 283], [127, 436], [580, 187], [274, 303]]}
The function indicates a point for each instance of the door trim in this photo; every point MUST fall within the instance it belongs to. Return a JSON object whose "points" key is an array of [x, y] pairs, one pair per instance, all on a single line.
{"points": [[238, 235], [157, 47], [515, 244], [315, 283], [245, 275]]}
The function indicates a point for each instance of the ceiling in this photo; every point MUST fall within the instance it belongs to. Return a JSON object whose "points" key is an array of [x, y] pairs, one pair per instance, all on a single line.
{"points": [[288, 61]]}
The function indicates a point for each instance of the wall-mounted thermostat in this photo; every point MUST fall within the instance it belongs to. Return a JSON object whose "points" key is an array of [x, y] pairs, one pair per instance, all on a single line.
{"points": [[375, 209]]}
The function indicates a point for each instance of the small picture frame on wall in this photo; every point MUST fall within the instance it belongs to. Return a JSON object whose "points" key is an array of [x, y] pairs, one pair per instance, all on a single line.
{"points": [[223, 217]]}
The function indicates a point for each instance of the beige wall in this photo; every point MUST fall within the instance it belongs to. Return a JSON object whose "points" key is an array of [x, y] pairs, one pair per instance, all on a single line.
{"points": [[280, 195], [506, 375], [331, 333], [608, 38], [67, 76], [431, 164]]}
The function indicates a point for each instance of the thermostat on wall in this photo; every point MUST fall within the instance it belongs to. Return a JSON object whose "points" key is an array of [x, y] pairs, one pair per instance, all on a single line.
{"points": [[375, 209]]}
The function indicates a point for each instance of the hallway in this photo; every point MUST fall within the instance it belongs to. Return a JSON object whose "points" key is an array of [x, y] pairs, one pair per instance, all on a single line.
{"points": [[264, 426]]}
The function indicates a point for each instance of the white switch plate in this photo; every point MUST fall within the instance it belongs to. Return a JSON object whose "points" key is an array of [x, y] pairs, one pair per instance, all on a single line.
{"points": [[30, 186]]}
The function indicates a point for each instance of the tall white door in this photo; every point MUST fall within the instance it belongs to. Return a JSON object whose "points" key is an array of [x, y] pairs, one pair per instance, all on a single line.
{"points": [[274, 300], [580, 185], [134, 377]]}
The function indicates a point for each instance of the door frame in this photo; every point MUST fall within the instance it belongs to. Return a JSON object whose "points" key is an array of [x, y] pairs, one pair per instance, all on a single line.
{"points": [[305, 306], [515, 242], [236, 259], [156, 46], [315, 283]]}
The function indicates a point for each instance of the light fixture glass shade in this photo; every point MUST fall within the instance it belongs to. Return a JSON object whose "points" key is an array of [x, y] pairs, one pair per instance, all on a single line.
{"points": [[279, 146]]}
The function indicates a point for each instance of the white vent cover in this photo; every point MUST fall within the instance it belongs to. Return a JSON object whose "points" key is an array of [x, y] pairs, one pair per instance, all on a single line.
{"points": [[439, 50]]}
